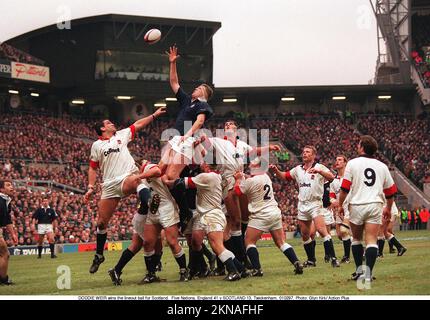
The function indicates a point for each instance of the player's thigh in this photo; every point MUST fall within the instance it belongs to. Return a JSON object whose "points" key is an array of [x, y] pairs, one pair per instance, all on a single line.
{"points": [[136, 243], [278, 237], [305, 228], [106, 209], [233, 208], [172, 234], [320, 225], [4, 252], [216, 240], [50, 237], [243, 204], [252, 235], [130, 184], [197, 239], [151, 233], [371, 232], [357, 231]]}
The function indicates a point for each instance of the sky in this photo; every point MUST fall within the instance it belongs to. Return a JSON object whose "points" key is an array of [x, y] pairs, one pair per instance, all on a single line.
{"points": [[260, 43]]}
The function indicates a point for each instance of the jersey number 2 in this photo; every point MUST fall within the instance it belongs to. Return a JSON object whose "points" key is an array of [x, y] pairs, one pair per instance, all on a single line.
{"points": [[370, 176], [267, 189]]}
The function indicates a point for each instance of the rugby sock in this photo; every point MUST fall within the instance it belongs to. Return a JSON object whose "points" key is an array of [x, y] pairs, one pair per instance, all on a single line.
{"points": [[157, 259], [226, 257], [239, 266], [126, 256], [371, 254], [181, 260], [101, 240], [252, 253], [390, 244], [329, 247], [392, 239], [289, 253], [357, 252], [39, 250], [381, 243], [149, 261], [238, 246], [208, 254], [52, 248], [309, 246], [144, 196], [199, 262], [219, 264], [346, 246], [228, 244]]}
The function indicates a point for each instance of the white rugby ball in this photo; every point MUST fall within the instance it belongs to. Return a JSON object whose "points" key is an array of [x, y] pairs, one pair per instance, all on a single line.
{"points": [[152, 36]]}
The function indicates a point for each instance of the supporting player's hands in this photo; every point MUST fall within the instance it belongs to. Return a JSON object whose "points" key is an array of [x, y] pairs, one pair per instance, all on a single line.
{"points": [[173, 54], [386, 214], [160, 111], [275, 169], [238, 175], [274, 147]]}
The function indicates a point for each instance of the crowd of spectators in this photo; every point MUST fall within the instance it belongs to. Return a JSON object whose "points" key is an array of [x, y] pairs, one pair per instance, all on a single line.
{"points": [[406, 142], [42, 138], [421, 55]]}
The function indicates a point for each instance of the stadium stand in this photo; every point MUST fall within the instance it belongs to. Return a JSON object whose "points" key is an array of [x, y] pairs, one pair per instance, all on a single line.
{"points": [[39, 148]]}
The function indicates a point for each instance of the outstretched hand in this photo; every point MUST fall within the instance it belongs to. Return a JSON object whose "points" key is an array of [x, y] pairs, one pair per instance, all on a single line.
{"points": [[173, 54]]}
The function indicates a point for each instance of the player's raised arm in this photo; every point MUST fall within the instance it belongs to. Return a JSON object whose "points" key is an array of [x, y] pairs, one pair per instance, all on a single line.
{"points": [[280, 174], [142, 123], [173, 56], [260, 150]]}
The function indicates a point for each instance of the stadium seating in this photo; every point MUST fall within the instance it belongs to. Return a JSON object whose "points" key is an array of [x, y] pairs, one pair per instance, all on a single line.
{"points": [[31, 143]]}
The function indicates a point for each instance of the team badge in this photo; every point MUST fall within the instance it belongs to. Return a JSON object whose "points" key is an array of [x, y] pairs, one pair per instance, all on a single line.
{"points": [[119, 141], [312, 177]]}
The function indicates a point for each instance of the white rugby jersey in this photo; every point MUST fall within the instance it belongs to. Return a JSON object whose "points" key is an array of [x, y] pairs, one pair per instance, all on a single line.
{"points": [[209, 191], [311, 185], [259, 191], [335, 191], [167, 202], [229, 157], [368, 180], [113, 156]]}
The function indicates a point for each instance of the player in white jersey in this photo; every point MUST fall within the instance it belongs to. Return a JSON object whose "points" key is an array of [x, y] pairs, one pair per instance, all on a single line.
{"points": [[342, 225], [136, 244], [120, 174], [368, 181], [386, 233], [211, 217], [310, 177], [231, 154], [164, 214], [265, 216]]}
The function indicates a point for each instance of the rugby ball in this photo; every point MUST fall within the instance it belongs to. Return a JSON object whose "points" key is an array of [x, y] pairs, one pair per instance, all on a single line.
{"points": [[152, 36]]}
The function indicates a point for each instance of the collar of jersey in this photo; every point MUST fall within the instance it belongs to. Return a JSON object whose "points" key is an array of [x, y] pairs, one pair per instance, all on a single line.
{"points": [[101, 137], [5, 196], [313, 165], [366, 156]]}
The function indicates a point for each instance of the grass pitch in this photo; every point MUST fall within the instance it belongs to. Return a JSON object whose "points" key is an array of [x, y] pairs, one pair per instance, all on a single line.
{"points": [[407, 275]]}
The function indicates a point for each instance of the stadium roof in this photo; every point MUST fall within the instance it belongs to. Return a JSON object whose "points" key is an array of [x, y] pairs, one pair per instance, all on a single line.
{"points": [[120, 18], [259, 94]]}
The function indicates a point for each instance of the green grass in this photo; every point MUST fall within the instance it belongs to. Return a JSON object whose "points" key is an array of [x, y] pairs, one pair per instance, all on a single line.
{"points": [[407, 275]]}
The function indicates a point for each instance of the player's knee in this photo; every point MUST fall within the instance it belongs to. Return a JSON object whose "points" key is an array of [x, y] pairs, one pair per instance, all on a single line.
{"points": [[196, 244], [101, 226]]}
